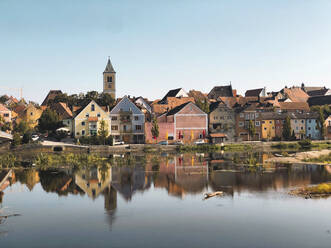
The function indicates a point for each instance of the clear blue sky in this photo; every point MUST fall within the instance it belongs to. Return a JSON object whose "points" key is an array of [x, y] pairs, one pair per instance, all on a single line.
{"points": [[159, 45]]}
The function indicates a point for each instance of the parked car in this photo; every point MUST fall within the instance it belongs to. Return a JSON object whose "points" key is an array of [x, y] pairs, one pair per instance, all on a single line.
{"points": [[34, 137], [118, 142], [178, 142], [164, 142], [199, 142]]}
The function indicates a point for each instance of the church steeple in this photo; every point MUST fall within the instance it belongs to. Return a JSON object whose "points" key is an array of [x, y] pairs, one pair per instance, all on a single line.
{"points": [[109, 67], [109, 79]]}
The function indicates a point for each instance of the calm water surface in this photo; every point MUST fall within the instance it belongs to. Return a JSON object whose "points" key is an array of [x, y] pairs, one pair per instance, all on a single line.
{"points": [[162, 205]]}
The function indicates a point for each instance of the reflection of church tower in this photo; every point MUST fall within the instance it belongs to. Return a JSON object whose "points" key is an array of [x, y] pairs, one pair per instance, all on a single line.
{"points": [[109, 80], [110, 198]]}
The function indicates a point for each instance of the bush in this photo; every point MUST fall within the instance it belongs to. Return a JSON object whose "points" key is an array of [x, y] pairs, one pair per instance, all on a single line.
{"points": [[306, 143]]}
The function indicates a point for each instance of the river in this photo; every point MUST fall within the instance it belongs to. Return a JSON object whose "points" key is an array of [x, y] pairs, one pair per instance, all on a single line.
{"points": [[161, 204]]}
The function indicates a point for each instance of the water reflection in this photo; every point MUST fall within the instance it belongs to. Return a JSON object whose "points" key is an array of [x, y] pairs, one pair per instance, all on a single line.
{"points": [[179, 175]]}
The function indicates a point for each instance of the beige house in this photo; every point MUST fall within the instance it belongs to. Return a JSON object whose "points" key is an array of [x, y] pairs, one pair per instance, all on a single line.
{"points": [[5, 113], [30, 114], [87, 121]]}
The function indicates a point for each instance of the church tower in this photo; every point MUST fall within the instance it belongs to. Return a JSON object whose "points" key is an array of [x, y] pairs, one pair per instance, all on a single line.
{"points": [[109, 80]]}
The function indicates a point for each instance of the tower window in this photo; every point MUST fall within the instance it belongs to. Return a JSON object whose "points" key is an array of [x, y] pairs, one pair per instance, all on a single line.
{"points": [[109, 79]]}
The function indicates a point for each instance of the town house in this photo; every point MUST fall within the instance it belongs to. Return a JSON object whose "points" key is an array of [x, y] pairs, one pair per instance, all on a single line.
{"points": [[127, 122]]}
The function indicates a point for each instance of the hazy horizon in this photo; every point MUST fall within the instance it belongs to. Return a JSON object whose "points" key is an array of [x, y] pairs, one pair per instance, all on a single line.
{"points": [[156, 46]]}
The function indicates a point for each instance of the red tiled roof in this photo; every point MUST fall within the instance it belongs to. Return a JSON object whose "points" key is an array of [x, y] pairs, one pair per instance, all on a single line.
{"points": [[294, 106]]}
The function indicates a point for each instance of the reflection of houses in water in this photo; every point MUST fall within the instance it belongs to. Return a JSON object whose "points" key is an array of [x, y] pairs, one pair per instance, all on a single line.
{"points": [[28, 177], [129, 180], [280, 178], [93, 181], [183, 173], [110, 205], [6, 178]]}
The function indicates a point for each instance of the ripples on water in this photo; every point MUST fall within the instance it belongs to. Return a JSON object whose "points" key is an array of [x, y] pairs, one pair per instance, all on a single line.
{"points": [[160, 205]]}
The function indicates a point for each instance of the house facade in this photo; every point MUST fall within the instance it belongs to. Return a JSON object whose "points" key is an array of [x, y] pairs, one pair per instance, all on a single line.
{"points": [[186, 122], [312, 131], [222, 120], [127, 122], [87, 121], [30, 114], [327, 125], [5, 113]]}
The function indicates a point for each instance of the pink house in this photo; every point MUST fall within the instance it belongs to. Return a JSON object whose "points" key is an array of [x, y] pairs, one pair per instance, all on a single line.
{"points": [[186, 122], [5, 113]]}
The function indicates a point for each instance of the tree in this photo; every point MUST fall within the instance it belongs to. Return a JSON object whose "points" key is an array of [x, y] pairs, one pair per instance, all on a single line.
{"points": [[49, 121], [155, 128], [27, 137], [203, 105], [16, 140], [251, 129], [105, 100], [287, 128], [103, 131], [22, 127], [293, 137], [320, 123]]}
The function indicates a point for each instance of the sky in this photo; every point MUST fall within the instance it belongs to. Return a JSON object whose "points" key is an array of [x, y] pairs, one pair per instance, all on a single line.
{"points": [[156, 45]]}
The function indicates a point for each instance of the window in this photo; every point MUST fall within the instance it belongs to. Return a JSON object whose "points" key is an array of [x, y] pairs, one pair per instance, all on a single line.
{"points": [[241, 124], [83, 123], [92, 107], [301, 128], [302, 121], [93, 132], [98, 115], [296, 121], [124, 128], [257, 123], [256, 115], [114, 118], [77, 133], [309, 128], [6, 115], [270, 122], [31, 113], [114, 128], [247, 116], [87, 115], [109, 79], [296, 128], [265, 128], [136, 118], [83, 132], [138, 127], [309, 121], [241, 115], [252, 116]]}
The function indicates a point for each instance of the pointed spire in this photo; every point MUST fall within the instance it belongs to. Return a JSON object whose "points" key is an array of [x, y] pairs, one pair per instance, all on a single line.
{"points": [[109, 66]]}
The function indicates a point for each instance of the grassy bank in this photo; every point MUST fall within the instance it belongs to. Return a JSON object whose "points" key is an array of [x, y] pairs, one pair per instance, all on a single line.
{"points": [[238, 147], [321, 190]]}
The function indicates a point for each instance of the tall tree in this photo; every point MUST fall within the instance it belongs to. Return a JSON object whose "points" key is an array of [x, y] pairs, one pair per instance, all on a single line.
{"points": [[49, 121], [320, 123], [287, 128], [155, 128], [22, 127], [103, 131]]}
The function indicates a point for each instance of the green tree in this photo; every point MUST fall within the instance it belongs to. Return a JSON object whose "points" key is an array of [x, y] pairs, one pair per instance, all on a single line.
{"points": [[22, 127], [203, 105], [251, 129], [320, 123], [27, 137], [16, 140], [103, 131], [105, 100], [155, 128], [49, 121], [287, 128]]}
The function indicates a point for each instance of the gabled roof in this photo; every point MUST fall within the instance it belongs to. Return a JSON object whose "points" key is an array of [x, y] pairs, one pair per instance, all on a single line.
{"points": [[51, 96], [223, 91], [320, 92], [91, 102], [3, 108], [320, 100], [294, 106], [181, 107], [296, 94], [62, 110], [109, 67], [217, 104], [254, 92], [173, 93], [125, 105]]}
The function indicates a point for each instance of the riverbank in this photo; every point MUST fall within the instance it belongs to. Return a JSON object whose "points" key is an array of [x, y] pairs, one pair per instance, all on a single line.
{"points": [[304, 157], [317, 191]]}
